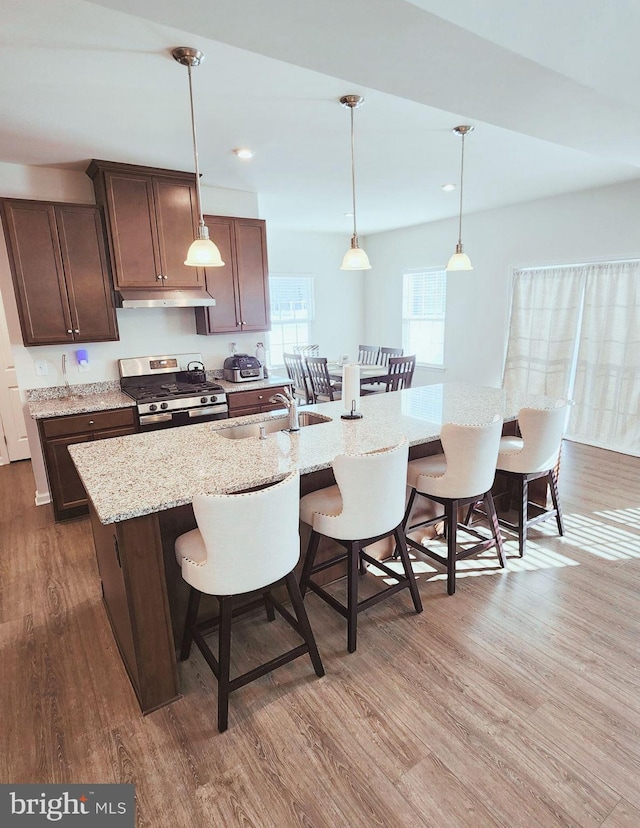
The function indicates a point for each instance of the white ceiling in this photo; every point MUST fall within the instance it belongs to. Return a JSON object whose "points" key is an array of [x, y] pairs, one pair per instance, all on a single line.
{"points": [[551, 89]]}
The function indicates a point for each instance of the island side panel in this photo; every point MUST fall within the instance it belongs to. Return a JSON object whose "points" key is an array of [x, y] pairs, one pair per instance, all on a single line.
{"points": [[138, 607]]}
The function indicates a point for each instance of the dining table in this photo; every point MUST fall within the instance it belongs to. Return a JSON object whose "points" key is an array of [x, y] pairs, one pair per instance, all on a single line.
{"points": [[368, 373]]}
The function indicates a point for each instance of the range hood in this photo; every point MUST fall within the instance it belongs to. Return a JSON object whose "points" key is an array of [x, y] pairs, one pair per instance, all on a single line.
{"points": [[165, 298]]}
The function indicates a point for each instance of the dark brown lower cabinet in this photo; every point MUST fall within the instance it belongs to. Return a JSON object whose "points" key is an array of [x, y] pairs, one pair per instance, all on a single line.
{"points": [[254, 402], [57, 434]]}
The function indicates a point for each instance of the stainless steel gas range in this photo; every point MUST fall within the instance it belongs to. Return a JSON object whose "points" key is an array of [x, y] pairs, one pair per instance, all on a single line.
{"points": [[168, 394]]}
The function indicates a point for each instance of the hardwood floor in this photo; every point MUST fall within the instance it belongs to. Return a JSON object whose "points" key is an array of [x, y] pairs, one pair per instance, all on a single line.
{"points": [[515, 702]]}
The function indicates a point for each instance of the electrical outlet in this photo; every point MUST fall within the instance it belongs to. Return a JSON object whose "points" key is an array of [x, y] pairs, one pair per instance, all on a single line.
{"points": [[42, 367]]}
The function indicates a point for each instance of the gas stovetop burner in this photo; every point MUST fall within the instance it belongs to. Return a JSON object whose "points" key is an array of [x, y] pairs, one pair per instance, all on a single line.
{"points": [[162, 390], [170, 390]]}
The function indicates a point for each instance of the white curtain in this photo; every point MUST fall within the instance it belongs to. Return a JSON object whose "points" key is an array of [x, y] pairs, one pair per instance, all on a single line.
{"points": [[607, 382], [545, 315]]}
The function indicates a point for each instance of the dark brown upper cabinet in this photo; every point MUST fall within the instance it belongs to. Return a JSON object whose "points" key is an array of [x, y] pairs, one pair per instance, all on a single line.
{"points": [[60, 272], [152, 218], [241, 287]]}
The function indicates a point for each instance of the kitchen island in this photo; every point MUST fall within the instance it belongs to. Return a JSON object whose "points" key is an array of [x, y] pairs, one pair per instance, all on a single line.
{"points": [[141, 488]]}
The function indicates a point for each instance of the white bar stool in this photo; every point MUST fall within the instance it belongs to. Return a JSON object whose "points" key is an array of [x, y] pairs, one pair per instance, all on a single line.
{"points": [[531, 456], [244, 543], [462, 475], [366, 505]]}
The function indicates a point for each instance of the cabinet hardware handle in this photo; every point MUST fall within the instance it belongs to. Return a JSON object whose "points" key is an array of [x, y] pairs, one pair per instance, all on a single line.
{"points": [[91, 422], [69, 331], [165, 277], [159, 276], [76, 330], [117, 550], [259, 396]]}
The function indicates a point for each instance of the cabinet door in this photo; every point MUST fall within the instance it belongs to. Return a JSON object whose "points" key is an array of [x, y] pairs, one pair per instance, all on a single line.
{"points": [[93, 317], [67, 492], [222, 284], [251, 258], [38, 275], [177, 219], [133, 231]]}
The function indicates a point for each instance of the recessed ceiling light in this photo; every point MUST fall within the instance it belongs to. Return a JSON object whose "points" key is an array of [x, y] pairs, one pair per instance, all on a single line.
{"points": [[448, 187], [244, 152]]}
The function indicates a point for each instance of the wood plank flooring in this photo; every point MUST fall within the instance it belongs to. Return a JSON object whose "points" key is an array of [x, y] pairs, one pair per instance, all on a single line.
{"points": [[515, 702]]}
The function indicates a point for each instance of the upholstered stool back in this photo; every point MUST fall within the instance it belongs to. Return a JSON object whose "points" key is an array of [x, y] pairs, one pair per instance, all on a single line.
{"points": [[372, 488], [538, 448]]}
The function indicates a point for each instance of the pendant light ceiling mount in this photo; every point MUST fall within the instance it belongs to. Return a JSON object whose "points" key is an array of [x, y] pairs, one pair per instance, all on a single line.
{"points": [[355, 258], [202, 252], [460, 260]]}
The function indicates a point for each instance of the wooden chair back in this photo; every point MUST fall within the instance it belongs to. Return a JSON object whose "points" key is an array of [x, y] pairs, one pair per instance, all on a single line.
{"points": [[400, 372], [319, 380], [294, 363], [368, 354], [385, 353]]}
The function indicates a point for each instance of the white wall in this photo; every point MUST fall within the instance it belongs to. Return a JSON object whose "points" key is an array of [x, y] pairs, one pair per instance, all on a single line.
{"points": [[339, 295], [594, 225]]}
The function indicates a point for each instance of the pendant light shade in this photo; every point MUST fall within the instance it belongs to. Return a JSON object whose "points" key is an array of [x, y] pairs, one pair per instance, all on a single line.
{"points": [[355, 258], [460, 260], [202, 252]]}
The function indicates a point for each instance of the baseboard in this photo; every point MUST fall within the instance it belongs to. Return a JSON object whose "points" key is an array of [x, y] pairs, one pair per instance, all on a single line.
{"points": [[42, 498]]}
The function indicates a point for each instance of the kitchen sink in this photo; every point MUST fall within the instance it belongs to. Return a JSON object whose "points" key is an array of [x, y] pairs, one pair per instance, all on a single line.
{"points": [[241, 432]]}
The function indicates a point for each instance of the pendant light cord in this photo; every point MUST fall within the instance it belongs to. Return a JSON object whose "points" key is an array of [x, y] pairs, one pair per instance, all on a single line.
{"points": [[353, 177], [195, 148], [461, 182]]}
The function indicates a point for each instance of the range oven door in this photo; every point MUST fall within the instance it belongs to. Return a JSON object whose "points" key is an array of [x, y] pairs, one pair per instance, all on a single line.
{"points": [[171, 419]]}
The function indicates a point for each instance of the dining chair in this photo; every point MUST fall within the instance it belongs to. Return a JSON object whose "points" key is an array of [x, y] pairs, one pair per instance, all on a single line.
{"points": [[385, 353], [462, 475], [368, 354], [322, 387], [400, 372], [244, 542], [365, 505], [294, 363]]}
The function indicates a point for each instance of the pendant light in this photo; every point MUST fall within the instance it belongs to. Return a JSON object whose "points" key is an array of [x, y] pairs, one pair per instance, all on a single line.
{"points": [[202, 252], [355, 258], [460, 260]]}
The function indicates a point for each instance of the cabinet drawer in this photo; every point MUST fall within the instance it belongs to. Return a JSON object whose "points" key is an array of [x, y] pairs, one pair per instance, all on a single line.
{"points": [[252, 399], [83, 423]]}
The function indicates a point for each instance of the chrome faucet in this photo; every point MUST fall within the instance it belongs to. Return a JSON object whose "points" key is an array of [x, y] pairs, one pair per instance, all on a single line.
{"points": [[291, 404]]}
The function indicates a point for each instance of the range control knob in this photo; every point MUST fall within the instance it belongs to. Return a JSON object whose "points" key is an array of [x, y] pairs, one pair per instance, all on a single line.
{"points": [[153, 407], [213, 399], [164, 406], [203, 399]]}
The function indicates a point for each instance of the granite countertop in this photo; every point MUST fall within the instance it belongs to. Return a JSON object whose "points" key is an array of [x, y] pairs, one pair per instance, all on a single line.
{"points": [[79, 403], [122, 475], [85, 399], [231, 387]]}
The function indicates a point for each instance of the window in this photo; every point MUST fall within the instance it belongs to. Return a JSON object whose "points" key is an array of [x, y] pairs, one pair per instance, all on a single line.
{"points": [[424, 297], [291, 315]]}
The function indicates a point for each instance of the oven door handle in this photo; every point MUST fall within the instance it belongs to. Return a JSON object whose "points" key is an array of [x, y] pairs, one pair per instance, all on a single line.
{"points": [[155, 418], [211, 409]]}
